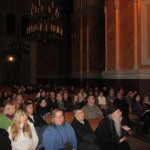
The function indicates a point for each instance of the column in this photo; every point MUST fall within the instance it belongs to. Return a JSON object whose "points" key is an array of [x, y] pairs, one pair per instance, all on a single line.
{"points": [[117, 12], [81, 42], [87, 46], [33, 62], [72, 39], [135, 34], [105, 11], [81, 55]]}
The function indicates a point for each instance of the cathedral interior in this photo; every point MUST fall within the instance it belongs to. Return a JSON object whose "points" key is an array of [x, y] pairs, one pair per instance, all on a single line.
{"points": [[75, 42]]}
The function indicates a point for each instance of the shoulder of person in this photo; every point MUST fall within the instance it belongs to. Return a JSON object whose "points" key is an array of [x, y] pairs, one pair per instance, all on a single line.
{"points": [[2, 115], [30, 123], [67, 124]]}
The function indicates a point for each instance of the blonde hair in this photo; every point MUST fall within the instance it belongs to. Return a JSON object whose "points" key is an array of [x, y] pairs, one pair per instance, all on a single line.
{"points": [[54, 113], [7, 108], [16, 125]]}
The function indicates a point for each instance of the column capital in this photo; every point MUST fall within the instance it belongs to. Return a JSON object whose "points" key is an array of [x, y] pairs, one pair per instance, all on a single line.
{"points": [[116, 3]]}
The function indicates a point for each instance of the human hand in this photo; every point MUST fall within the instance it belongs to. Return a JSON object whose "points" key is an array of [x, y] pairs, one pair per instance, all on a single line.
{"points": [[123, 139]]}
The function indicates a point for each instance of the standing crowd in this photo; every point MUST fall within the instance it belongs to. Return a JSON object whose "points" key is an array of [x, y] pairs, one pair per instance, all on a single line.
{"points": [[23, 124]]}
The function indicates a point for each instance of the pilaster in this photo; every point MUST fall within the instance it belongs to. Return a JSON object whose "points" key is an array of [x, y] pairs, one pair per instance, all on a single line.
{"points": [[117, 12], [33, 71], [87, 45], [135, 34]]}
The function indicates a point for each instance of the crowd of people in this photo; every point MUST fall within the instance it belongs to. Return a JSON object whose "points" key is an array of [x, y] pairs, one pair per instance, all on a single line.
{"points": [[23, 122]]}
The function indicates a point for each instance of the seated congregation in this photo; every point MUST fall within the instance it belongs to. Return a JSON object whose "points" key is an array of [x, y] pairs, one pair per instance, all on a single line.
{"points": [[67, 118]]}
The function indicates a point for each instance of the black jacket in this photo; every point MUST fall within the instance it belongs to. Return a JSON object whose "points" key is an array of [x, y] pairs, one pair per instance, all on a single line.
{"points": [[81, 129], [107, 137], [38, 120], [5, 143]]}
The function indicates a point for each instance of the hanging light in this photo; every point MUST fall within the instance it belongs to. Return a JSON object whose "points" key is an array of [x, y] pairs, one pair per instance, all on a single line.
{"points": [[18, 46], [45, 20], [15, 49]]}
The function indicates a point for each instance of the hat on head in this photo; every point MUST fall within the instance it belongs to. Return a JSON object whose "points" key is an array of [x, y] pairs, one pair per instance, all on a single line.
{"points": [[111, 109]]}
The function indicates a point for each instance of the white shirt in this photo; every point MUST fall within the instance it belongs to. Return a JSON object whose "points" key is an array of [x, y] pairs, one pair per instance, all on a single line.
{"points": [[101, 100], [24, 142], [82, 96]]}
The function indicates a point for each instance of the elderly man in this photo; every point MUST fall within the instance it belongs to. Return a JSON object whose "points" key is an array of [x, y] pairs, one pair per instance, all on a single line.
{"points": [[110, 134], [91, 110], [84, 133]]}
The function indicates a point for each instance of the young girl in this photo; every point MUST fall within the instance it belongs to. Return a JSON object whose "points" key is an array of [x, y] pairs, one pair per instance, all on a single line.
{"points": [[22, 133]]}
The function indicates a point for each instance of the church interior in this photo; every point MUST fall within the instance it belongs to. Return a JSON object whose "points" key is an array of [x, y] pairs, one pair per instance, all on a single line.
{"points": [[76, 42], [87, 46]]}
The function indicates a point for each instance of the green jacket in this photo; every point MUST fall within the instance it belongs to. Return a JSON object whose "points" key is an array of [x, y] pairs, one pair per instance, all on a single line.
{"points": [[5, 122]]}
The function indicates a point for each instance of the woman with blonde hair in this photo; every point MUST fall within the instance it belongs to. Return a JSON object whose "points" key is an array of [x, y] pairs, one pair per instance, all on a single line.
{"points": [[22, 133], [7, 116]]}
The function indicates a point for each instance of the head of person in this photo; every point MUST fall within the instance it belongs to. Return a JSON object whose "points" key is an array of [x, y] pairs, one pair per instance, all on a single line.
{"points": [[101, 94], [43, 93], [104, 88], [116, 115], [96, 92], [9, 109], [19, 98], [121, 91], [20, 120], [136, 98], [21, 117], [47, 94], [79, 114], [130, 94], [52, 95], [82, 90], [75, 98], [59, 97], [28, 107], [119, 96], [65, 95], [91, 100], [111, 91], [42, 102], [146, 99], [57, 117]]}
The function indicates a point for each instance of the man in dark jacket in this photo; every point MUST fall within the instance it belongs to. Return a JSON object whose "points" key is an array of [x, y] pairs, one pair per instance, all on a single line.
{"points": [[5, 143], [110, 135], [84, 133]]}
